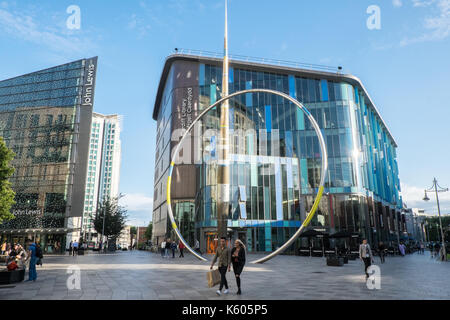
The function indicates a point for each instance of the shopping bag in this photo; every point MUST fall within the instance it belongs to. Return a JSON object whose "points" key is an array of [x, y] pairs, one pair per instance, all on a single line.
{"points": [[213, 278]]}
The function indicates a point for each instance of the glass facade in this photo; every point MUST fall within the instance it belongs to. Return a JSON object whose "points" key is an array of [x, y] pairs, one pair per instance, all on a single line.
{"points": [[40, 120], [276, 156]]}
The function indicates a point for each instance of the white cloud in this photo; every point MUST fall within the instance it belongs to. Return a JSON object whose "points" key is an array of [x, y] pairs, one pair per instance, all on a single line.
{"points": [[25, 27], [422, 3], [413, 196], [138, 24], [397, 3], [437, 27], [139, 207]]}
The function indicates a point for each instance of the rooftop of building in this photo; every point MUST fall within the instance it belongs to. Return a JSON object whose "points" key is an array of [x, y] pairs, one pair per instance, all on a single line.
{"points": [[279, 66], [48, 69]]}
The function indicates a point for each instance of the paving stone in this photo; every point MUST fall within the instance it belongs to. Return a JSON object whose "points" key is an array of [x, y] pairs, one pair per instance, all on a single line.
{"points": [[144, 275]]}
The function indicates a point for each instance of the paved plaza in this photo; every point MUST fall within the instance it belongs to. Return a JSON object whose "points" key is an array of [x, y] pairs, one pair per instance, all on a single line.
{"points": [[144, 275]]}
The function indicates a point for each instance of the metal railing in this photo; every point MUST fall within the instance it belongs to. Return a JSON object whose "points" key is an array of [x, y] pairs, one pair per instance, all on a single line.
{"points": [[275, 62]]}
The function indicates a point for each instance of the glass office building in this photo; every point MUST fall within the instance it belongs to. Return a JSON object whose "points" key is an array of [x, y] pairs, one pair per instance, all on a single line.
{"points": [[45, 118], [275, 155]]}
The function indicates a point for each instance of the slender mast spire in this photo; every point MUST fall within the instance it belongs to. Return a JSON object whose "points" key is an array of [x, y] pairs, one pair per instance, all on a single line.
{"points": [[223, 178], [225, 55]]}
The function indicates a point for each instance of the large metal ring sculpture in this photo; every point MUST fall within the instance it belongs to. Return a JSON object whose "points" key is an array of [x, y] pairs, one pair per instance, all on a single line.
{"points": [[322, 175]]}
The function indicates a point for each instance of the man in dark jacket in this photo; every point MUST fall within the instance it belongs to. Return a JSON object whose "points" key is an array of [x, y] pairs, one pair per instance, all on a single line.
{"points": [[173, 246], [168, 245], [224, 256]]}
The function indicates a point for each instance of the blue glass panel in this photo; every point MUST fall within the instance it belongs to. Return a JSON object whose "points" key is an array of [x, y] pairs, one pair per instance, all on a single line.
{"points": [[201, 75], [289, 144], [292, 91], [231, 117], [304, 173], [324, 85], [248, 96], [268, 110], [213, 93], [300, 119], [231, 75], [344, 91]]}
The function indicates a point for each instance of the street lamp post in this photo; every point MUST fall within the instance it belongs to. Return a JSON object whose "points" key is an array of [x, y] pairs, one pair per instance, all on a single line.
{"points": [[435, 189]]}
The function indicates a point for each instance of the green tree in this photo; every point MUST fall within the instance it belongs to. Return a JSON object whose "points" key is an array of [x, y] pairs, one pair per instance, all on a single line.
{"points": [[148, 231], [110, 218], [434, 229], [6, 193]]}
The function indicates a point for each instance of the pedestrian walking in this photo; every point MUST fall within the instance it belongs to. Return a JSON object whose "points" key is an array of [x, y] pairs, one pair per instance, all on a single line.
{"points": [[382, 251], [238, 261], [197, 246], [70, 248], [365, 254], [422, 248], [39, 255], [163, 248], [402, 249], [223, 254], [32, 274], [181, 247], [168, 245], [75, 248], [437, 248], [173, 247], [3, 248]]}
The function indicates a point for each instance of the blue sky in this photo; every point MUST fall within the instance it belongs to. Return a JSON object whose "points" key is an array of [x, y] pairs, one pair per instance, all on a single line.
{"points": [[405, 65]]}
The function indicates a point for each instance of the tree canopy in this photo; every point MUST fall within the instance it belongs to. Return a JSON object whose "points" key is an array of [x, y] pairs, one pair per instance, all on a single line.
{"points": [[6, 193], [148, 231], [115, 217]]}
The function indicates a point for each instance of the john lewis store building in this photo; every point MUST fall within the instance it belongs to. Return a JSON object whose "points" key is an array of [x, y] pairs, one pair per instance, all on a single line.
{"points": [[45, 118], [276, 164]]}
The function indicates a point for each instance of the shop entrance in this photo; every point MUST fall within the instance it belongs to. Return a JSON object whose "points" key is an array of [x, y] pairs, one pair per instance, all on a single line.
{"points": [[211, 242]]}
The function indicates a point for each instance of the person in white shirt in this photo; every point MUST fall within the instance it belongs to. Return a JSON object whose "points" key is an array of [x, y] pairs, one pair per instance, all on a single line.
{"points": [[365, 254], [197, 246], [163, 248]]}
